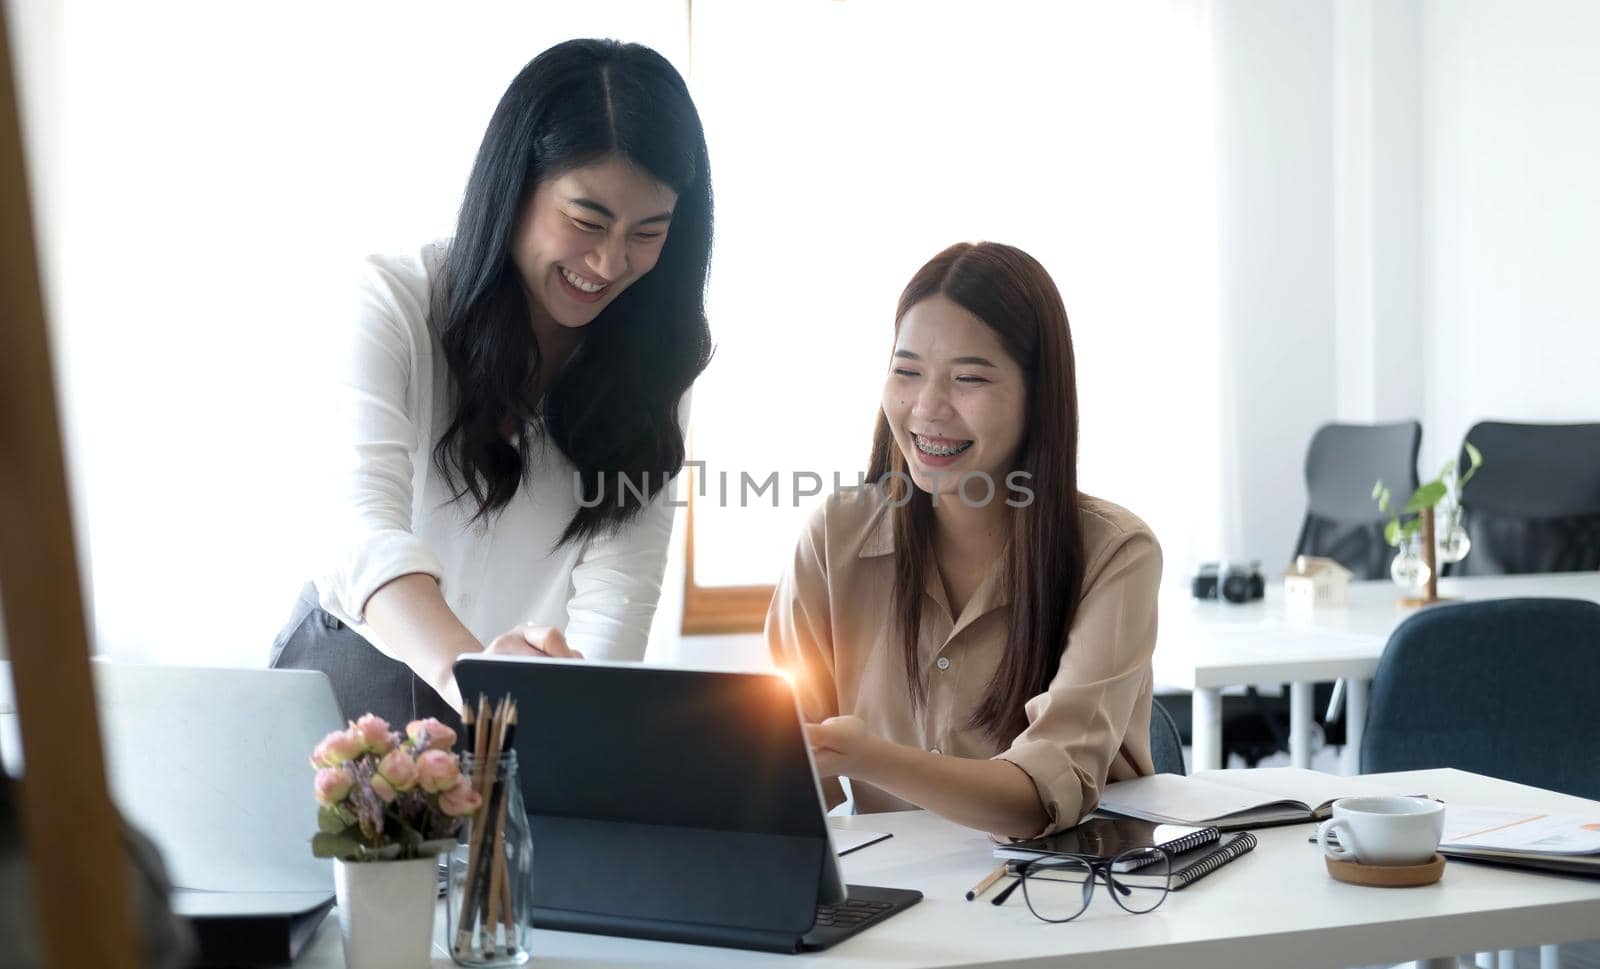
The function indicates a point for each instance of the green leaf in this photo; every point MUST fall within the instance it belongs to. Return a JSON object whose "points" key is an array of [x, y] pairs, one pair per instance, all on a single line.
{"points": [[1473, 455], [1377, 489], [1409, 529], [331, 821], [327, 844], [1426, 496], [1391, 532]]}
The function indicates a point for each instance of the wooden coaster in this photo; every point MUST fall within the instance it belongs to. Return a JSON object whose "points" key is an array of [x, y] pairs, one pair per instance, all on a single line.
{"points": [[1387, 876]]}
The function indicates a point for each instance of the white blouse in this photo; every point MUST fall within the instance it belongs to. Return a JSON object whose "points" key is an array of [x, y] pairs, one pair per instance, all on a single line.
{"points": [[394, 514]]}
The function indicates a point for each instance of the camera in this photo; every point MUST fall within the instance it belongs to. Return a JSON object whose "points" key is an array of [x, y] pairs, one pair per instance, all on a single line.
{"points": [[1230, 581]]}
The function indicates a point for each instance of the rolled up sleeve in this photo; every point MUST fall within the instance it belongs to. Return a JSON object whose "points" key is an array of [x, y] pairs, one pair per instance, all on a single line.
{"points": [[371, 539], [1077, 727], [799, 635]]}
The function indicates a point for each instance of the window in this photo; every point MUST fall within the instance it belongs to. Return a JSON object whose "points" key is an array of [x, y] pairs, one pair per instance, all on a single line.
{"points": [[852, 141]]}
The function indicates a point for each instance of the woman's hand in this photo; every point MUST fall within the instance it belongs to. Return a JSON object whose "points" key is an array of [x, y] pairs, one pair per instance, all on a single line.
{"points": [[528, 639], [842, 745], [990, 795]]}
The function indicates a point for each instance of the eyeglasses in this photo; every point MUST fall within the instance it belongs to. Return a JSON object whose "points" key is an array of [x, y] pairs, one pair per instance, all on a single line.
{"points": [[1058, 889]]}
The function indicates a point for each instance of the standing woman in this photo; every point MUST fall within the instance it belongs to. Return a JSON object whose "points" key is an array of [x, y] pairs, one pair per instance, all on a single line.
{"points": [[512, 399], [969, 634]]}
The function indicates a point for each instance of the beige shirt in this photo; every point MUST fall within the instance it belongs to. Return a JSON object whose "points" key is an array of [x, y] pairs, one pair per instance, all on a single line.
{"points": [[831, 626]]}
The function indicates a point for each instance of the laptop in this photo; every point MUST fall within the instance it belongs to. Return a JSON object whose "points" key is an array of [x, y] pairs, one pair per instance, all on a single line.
{"points": [[213, 766], [675, 804]]}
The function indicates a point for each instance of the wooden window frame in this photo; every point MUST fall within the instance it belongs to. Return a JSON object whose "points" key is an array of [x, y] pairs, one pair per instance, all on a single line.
{"points": [[723, 609]]}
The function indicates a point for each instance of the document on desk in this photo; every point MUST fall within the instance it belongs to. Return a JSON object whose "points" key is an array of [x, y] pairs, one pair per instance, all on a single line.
{"points": [[846, 840], [1490, 833]]}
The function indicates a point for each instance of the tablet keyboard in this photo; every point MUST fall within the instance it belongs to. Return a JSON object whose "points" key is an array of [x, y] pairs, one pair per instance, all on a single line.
{"points": [[867, 906]]}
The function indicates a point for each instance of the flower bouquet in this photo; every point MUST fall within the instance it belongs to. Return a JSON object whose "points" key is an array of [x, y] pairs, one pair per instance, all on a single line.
{"points": [[397, 800]]}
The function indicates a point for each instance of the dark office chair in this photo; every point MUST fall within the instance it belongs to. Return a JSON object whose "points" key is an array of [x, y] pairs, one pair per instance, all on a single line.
{"points": [[1534, 506], [1166, 747], [1500, 687], [1342, 523]]}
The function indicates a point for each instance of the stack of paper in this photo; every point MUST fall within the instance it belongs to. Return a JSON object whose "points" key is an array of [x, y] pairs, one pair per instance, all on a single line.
{"points": [[1563, 842]]}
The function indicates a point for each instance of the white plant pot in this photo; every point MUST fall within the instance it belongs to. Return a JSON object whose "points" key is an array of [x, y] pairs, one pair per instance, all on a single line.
{"points": [[386, 912]]}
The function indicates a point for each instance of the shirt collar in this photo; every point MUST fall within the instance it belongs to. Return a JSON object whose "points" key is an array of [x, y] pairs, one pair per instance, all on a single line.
{"points": [[994, 593]]}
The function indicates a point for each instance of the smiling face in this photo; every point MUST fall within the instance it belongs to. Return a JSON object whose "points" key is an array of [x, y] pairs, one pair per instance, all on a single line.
{"points": [[588, 234], [954, 399]]}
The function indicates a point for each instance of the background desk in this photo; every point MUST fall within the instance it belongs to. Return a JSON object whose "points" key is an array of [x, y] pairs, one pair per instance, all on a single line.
{"points": [[1274, 907], [1206, 646]]}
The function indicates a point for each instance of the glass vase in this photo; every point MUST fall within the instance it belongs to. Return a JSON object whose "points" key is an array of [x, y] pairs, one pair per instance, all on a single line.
{"points": [[487, 892], [1409, 570], [1453, 542]]}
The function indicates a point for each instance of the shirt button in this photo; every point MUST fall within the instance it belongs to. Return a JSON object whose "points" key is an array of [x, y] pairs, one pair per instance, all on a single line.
{"points": [[944, 663]]}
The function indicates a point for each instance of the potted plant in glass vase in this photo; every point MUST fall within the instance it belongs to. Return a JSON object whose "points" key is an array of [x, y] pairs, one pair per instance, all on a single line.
{"points": [[388, 805], [1433, 534]]}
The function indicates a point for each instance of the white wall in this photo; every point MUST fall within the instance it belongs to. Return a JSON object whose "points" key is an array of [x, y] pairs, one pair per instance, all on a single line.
{"points": [[1410, 226], [1511, 214], [1275, 101]]}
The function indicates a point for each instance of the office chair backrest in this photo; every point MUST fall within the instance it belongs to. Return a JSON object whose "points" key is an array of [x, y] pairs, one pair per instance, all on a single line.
{"points": [[1342, 521], [1166, 747], [1534, 506], [1502, 687]]}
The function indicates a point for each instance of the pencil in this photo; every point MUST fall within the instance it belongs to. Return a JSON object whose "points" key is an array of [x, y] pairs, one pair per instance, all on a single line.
{"points": [[988, 880], [509, 918], [482, 727], [497, 868], [492, 791]]}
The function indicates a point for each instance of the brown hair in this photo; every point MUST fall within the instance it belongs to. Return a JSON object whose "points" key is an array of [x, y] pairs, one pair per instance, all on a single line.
{"points": [[1013, 295]]}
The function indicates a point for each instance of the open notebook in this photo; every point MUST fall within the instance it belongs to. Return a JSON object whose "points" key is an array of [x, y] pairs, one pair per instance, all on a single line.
{"points": [[1233, 799]]}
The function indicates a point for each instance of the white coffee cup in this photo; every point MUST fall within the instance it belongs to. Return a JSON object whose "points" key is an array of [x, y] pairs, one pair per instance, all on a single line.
{"points": [[1383, 830]]}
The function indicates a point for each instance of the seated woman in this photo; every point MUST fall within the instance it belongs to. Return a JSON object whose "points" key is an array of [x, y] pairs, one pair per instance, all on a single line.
{"points": [[967, 632]]}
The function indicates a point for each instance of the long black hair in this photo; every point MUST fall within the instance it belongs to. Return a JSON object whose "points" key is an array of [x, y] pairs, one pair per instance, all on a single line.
{"points": [[613, 408], [1014, 296]]}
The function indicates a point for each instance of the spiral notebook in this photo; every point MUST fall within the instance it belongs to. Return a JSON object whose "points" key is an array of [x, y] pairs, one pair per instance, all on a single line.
{"points": [[1192, 866], [1105, 838]]}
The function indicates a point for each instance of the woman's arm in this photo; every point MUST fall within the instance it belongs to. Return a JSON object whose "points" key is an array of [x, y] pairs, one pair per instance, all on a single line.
{"points": [[1051, 774], [411, 616], [799, 633], [989, 795]]}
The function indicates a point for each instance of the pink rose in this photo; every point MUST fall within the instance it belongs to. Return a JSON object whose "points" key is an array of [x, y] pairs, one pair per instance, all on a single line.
{"points": [[383, 789], [333, 785], [373, 732], [335, 749], [398, 769], [437, 735], [460, 799], [437, 771]]}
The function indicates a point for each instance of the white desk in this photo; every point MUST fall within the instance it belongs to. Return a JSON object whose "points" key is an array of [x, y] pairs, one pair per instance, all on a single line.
{"points": [[1274, 907], [1206, 646]]}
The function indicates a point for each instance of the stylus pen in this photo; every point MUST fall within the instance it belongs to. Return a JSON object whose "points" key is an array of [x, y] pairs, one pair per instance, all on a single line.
{"points": [[988, 880]]}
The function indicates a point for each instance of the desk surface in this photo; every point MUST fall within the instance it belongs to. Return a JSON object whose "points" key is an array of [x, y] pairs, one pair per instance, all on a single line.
{"points": [[1275, 906], [1217, 644]]}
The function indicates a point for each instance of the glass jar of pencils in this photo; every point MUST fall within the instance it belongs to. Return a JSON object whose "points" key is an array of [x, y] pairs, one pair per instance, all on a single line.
{"points": [[487, 892]]}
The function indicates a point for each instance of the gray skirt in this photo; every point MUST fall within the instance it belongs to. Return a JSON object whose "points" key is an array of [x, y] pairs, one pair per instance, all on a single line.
{"points": [[364, 680]]}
